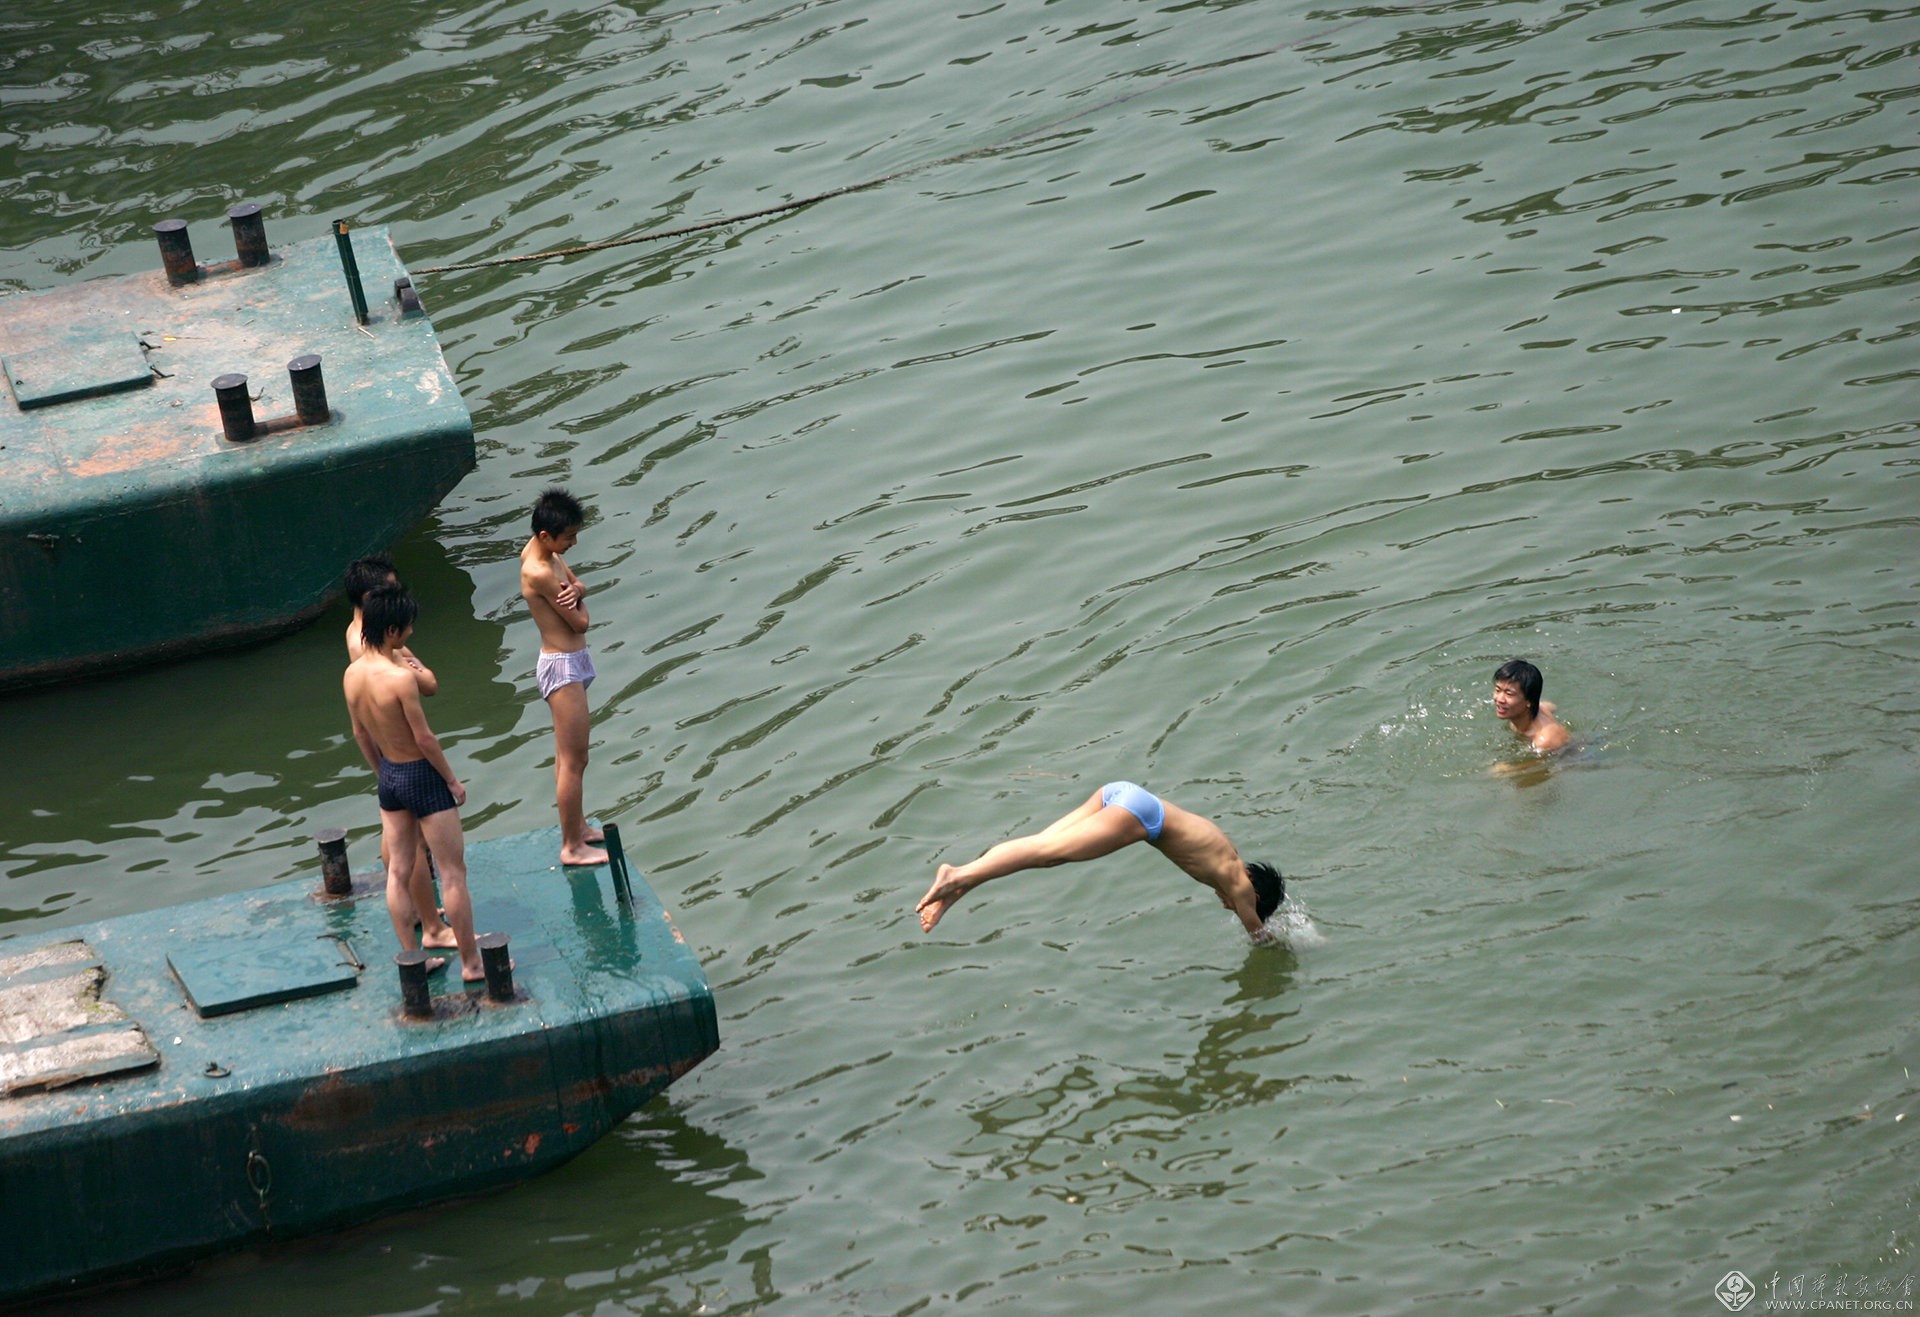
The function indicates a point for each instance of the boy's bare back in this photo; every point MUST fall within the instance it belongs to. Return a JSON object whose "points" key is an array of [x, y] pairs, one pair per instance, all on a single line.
{"points": [[1198, 846], [383, 700], [1208, 856]]}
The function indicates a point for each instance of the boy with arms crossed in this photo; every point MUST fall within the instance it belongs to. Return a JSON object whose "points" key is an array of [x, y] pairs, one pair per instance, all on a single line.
{"points": [[558, 602]]}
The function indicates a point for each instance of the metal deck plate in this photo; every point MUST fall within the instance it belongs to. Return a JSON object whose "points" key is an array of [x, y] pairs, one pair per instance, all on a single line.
{"points": [[260, 969], [85, 362]]}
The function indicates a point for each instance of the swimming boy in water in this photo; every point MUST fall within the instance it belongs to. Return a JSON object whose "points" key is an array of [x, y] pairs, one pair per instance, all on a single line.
{"points": [[370, 573], [419, 795], [1120, 814], [558, 602], [1516, 701]]}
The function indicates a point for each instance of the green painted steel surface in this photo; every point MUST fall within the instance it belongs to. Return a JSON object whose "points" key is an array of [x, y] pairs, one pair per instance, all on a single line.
{"points": [[221, 973], [303, 1114], [132, 529]]}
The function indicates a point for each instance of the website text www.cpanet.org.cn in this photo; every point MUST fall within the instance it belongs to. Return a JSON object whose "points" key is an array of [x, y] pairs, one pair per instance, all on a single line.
{"points": [[1817, 1291]]}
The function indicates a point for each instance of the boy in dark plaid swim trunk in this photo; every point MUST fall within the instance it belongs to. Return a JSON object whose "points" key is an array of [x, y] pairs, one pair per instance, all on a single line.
{"points": [[419, 795]]}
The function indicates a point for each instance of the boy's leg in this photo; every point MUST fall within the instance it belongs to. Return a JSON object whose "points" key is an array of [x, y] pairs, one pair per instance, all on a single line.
{"points": [[399, 834], [1086, 810], [434, 933], [1082, 835], [570, 729], [449, 844], [1101, 832]]}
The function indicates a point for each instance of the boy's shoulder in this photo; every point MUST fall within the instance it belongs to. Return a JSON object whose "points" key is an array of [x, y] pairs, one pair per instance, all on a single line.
{"points": [[535, 560], [376, 671]]}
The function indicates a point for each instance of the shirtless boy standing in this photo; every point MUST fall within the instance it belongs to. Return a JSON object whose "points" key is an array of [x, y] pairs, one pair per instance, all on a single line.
{"points": [[370, 573], [1516, 702], [1118, 815], [558, 603], [419, 795]]}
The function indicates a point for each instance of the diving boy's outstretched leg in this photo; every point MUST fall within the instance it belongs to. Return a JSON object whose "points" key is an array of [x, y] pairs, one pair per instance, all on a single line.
{"points": [[1118, 815], [940, 897], [1087, 833]]}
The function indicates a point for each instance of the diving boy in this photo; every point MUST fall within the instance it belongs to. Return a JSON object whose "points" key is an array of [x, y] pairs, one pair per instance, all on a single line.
{"points": [[558, 602], [1117, 815], [419, 795]]}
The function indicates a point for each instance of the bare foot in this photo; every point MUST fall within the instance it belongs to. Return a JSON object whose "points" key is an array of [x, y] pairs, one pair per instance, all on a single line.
{"points": [[593, 836], [444, 940], [940, 898], [582, 857], [435, 963]]}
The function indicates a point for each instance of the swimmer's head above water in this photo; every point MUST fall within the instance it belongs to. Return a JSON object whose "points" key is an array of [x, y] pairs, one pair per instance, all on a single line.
{"points": [[1524, 680], [1269, 889]]}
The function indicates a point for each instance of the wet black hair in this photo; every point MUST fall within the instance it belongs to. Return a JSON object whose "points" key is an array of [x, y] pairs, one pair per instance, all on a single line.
{"points": [[386, 609], [1527, 677], [556, 512], [1269, 889], [369, 573]]}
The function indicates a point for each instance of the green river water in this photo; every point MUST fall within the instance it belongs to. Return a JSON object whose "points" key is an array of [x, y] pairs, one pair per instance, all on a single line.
{"points": [[1215, 422]]}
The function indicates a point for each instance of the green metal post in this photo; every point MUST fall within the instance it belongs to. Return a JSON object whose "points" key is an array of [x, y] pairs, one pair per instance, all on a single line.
{"points": [[617, 863], [352, 268]]}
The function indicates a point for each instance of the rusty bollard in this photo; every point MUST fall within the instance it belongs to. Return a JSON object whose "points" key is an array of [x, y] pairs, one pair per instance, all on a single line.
{"points": [[309, 390], [334, 874], [415, 998], [236, 407], [249, 235], [176, 251], [499, 966]]}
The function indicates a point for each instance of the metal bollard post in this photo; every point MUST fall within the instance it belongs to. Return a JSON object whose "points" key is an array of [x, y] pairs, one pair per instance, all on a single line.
{"points": [[249, 235], [415, 997], [499, 966], [334, 873], [309, 390], [236, 408], [176, 251]]}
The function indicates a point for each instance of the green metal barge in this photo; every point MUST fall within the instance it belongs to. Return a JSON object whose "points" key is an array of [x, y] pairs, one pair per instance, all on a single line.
{"points": [[216, 1075], [189, 458]]}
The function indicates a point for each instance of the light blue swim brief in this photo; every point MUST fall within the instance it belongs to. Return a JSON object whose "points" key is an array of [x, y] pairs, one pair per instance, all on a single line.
{"points": [[1139, 802], [556, 670]]}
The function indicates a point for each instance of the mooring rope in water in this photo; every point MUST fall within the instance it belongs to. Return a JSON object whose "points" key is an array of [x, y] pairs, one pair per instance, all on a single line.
{"points": [[685, 230]]}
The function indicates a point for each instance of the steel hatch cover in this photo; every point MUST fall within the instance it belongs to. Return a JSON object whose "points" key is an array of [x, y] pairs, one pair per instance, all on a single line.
{"points": [[84, 362], [260, 968]]}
